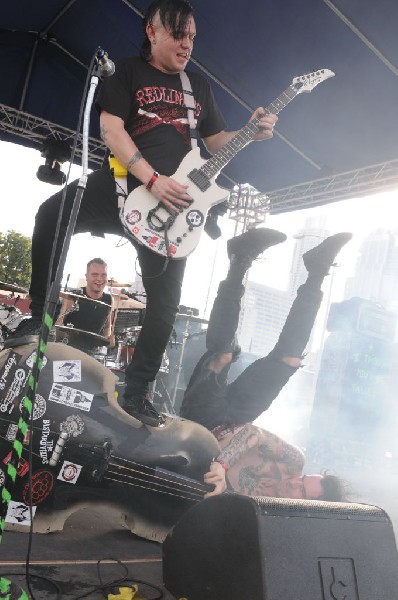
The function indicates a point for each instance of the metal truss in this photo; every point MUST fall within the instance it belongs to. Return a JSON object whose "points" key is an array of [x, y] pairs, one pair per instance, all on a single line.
{"points": [[28, 127], [343, 186], [246, 205]]}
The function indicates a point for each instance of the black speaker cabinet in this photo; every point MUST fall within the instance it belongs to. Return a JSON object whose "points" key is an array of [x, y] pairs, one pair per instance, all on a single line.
{"points": [[232, 547]]}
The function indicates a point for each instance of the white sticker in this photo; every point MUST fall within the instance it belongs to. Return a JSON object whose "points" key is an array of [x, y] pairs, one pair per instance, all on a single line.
{"points": [[67, 370], [14, 390], [62, 394], [73, 425], [19, 513], [39, 407], [69, 472], [46, 446], [11, 432]]}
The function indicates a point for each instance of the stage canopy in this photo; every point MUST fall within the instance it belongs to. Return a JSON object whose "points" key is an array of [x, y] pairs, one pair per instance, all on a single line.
{"points": [[339, 141]]}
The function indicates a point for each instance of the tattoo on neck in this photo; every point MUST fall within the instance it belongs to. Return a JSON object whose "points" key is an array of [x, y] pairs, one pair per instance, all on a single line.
{"points": [[134, 159]]}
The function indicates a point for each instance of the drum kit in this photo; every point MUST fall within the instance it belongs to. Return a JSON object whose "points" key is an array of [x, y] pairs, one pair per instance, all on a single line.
{"points": [[10, 314], [126, 328]]}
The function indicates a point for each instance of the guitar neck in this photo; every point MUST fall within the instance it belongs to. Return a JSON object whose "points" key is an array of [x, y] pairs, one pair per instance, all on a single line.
{"points": [[245, 135]]}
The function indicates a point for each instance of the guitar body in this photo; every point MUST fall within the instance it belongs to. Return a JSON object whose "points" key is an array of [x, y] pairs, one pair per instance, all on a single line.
{"points": [[184, 233], [87, 450]]}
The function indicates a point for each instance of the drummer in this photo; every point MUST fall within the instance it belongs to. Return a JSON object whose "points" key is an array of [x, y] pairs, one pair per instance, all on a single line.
{"points": [[91, 316]]}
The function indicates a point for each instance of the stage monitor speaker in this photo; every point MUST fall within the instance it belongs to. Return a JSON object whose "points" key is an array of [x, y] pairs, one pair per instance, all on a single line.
{"points": [[232, 547]]}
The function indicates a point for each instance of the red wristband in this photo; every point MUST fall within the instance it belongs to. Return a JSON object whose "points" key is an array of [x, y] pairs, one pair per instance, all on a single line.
{"points": [[152, 181]]}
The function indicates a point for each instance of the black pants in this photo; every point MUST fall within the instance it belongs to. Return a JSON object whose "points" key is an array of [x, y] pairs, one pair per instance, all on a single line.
{"points": [[98, 215], [208, 399]]}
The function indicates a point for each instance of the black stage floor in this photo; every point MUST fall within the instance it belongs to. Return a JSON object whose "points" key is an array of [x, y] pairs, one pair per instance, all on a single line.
{"points": [[69, 558]]}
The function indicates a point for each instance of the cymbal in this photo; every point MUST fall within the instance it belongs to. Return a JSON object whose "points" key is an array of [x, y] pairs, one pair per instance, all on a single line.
{"points": [[80, 335], [114, 283], [80, 298], [10, 287], [191, 318]]}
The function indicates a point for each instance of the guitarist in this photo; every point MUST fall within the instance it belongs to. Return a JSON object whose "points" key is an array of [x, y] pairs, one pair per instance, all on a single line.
{"points": [[145, 125], [253, 461]]}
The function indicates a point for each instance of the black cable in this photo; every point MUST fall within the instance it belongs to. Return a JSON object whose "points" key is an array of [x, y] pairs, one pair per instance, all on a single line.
{"points": [[106, 588], [41, 577]]}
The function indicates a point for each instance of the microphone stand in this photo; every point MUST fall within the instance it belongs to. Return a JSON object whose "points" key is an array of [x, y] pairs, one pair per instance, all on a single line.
{"points": [[49, 314]]}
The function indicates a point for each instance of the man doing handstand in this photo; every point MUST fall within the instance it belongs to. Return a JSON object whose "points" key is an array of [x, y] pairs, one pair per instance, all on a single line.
{"points": [[253, 461]]}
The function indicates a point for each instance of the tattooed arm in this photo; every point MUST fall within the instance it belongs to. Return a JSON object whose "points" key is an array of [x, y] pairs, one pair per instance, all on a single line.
{"points": [[116, 138], [276, 448], [166, 189]]}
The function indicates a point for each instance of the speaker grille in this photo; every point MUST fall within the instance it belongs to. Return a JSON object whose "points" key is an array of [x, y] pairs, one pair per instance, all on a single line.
{"points": [[320, 509]]}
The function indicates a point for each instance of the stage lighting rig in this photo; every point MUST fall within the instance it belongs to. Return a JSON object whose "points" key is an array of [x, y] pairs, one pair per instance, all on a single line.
{"points": [[55, 152]]}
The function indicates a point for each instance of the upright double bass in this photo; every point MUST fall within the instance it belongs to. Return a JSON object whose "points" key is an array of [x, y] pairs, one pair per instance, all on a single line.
{"points": [[84, 449]]}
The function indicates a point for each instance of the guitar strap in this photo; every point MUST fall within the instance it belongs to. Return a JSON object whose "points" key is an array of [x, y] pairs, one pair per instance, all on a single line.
{"points": [[189, 102]]}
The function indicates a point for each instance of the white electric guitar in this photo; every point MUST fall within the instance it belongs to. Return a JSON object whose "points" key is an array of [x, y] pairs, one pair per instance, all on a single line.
{"points": [[176, 235]]}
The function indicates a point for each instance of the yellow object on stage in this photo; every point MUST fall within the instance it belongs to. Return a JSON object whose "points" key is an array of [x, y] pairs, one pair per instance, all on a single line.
{"points": [[119, 170]]}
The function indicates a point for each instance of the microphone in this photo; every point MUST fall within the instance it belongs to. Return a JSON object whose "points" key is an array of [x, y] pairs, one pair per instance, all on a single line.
{"points": [[130, 294], [105, 65], [67, 281]]}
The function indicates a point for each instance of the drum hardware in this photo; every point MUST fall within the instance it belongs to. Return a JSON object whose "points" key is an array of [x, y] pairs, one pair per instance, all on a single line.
{"points": [[185, 335], [113, 283]]}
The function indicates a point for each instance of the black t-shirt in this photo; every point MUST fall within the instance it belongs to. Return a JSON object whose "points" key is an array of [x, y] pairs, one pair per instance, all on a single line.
{"points": [[151, 104], [90, 316]]}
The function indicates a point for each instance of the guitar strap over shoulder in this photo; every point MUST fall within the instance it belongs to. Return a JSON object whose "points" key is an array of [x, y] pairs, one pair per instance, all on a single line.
{"points": [[189, 102]]}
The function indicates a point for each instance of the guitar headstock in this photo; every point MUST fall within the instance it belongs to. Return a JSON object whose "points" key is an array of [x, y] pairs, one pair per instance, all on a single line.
{"points": [[306, 83]]}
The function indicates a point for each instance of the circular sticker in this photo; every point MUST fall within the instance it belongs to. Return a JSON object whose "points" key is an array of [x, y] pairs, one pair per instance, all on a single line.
{"points": [[39, 407], [195, 218], [73, 425], [133, 217], [69, 472], [42, 485]]}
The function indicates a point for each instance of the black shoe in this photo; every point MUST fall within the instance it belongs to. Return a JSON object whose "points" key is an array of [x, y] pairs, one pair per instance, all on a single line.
{"points": [[26, 332], [211, 227], [253, 242], [319, 259], [142, 409]]}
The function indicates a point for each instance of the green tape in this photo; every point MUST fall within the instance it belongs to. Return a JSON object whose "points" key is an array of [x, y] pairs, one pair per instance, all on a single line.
{"points": [[5, 494], [48, 321], [12, 472], [22, 426], [28, 403], [18, 447]]}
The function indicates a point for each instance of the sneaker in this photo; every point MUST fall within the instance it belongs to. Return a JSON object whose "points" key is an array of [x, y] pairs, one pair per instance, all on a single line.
{"points": [[26, 332], [142, 409], [321, 258], [249, 245]]}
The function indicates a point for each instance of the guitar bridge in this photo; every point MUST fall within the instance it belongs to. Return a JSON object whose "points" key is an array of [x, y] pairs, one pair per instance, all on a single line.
{"points": [[156, 223]]}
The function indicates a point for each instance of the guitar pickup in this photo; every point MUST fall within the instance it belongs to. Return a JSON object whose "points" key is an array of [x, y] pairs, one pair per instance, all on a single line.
{"points": [[199, 179]]}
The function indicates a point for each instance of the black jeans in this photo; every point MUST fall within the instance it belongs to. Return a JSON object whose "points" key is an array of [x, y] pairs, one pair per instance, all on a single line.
{"points": [[99, 214], [208, 399]]}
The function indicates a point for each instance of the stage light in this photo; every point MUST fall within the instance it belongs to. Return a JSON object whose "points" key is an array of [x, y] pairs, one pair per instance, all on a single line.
{"points": [[55, 152]]}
